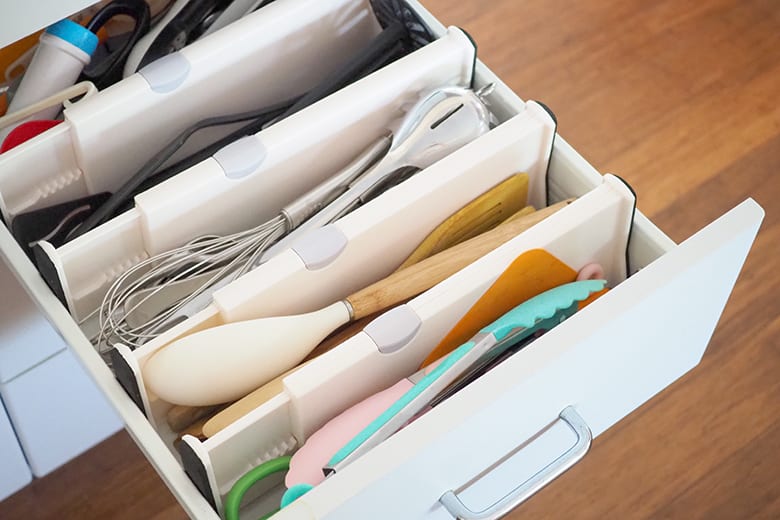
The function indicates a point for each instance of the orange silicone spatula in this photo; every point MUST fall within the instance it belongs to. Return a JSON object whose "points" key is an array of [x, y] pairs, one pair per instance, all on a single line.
{"points": [[530, 274]]}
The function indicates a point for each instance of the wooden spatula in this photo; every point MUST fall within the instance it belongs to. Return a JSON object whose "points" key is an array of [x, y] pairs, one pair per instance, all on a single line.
{"points": [[480, 215], [497, 205]]}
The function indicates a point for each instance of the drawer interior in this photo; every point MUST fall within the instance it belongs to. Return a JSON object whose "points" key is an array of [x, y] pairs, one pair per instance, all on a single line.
{"points": [[275, 428], [296, 154], [573, 176], [317, 392], [228, 73], [521, 144]]}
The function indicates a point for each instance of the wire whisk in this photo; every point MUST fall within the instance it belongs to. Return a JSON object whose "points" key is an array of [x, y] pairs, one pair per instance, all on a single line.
{"points": [[205, 261], [157, 293]]}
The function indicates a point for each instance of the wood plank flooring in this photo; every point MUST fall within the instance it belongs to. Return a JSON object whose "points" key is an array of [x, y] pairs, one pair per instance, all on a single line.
{"points": [[680, 99]]}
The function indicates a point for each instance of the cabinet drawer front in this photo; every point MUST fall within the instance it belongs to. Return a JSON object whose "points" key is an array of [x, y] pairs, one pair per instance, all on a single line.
{"points": [[26, 338], [19, 20], [605, 361], [57, 412]]}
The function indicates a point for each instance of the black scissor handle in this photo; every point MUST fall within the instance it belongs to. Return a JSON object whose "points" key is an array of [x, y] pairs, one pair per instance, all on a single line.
{"points": [[109, 70]]}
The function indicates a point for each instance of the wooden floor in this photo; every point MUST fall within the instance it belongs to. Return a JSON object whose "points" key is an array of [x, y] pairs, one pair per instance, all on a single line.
{"points": [[680, 98]]}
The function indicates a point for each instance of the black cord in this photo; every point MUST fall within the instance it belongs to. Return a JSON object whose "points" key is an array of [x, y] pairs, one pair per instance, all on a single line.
{"points": [[357, 69], [380, 52], [204, 153], [344, 76], [105, 211], [263, 4], [384, 48], [393, 53], [181, 29]]}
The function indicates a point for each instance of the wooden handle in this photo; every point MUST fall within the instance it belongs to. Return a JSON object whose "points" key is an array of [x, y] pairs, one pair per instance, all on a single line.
{"points": [[181, 417], [246, 404], [340, 336], [480, 215], [422, 276], [523, 212]]}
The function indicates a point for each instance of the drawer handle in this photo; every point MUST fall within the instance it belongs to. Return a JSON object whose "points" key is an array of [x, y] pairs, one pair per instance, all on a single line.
{"points": [[527, 489]]}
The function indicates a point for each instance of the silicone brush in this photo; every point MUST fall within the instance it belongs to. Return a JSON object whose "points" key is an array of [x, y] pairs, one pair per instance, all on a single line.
{"points": [[367, 425]]}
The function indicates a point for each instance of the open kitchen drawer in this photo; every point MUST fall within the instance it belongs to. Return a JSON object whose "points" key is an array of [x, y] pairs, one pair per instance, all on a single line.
{"points": [[589, 372]]}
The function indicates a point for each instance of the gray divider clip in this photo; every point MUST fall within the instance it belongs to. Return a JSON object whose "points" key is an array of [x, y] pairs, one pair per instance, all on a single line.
{"points": [[242, 157], [167, 73], [394, 329], [320, 247]]}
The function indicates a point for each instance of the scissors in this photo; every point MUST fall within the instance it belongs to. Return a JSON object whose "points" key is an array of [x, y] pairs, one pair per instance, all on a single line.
{"points": [[108, 71]]}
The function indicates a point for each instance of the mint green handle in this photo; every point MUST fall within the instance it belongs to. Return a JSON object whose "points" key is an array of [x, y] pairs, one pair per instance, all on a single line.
{"points": [[401, 403], [530, 315], [543, 306]]}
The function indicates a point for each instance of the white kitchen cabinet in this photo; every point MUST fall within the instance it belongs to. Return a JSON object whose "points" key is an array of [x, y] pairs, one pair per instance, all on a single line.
{"points": [[20, 18], [56, 410], [14, 472]]}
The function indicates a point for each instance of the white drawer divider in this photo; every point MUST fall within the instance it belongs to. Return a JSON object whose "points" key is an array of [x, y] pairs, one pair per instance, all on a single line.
{"points": [[299, 153], [248, 65]]}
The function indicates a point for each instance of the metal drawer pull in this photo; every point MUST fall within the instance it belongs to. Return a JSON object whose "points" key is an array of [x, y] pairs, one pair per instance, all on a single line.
{"points": [[527, 489]]}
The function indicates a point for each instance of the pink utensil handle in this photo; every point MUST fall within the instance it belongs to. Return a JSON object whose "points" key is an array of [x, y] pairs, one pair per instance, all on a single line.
{"points": [[307, 463]]}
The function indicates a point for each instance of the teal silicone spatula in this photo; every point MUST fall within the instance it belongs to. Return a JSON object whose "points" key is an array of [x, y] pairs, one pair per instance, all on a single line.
{"points": [[541, 312]]}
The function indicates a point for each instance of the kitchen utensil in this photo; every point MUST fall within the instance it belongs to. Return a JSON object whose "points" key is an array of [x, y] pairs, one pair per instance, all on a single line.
{"points": [[530, 274], [238, 357], [542, 312], [376, 418], [436, 126], [481, 214]]}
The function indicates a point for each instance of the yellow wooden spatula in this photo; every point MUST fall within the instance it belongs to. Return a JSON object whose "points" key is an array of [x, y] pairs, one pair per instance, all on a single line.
{"points": [[480, 215]]}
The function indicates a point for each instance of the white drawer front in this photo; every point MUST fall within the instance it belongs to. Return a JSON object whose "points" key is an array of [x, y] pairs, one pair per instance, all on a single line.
{"points": [[605, 361], [57, 412], [26, 338], [19, 20]]}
